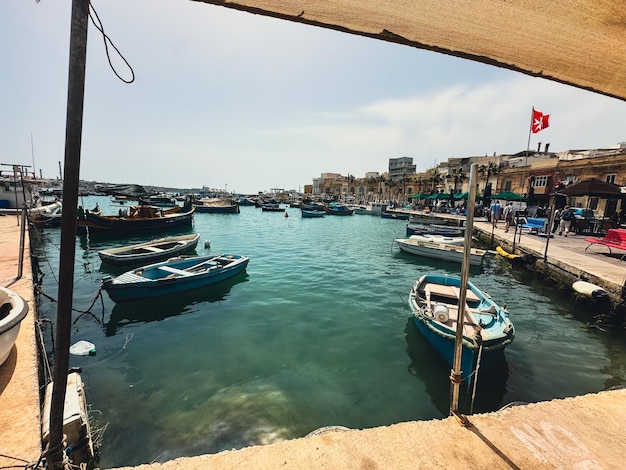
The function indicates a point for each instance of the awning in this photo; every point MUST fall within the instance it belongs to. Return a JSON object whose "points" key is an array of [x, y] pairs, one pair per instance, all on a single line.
{"points": [[581, 43]]}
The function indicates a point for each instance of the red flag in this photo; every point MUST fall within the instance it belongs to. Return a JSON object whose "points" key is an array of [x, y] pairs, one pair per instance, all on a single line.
{"points": [[540, 121]]}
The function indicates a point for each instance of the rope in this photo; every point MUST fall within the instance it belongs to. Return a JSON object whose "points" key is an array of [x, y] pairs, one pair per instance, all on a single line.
{"points": [[475, 374], [106, 39], [128, 339]]}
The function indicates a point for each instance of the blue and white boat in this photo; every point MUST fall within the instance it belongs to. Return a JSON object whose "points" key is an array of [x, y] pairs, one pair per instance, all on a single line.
{"points": [[487, 329], [173, 276], [335, 208]]}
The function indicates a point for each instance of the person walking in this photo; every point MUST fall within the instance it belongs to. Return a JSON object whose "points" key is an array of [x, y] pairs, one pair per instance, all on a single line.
{"points": [[507, 214], [495, 213], [557, 220], [566, 220]]}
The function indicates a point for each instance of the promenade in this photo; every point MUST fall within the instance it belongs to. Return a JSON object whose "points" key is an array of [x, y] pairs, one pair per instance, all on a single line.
{"points": [[583, 432]]}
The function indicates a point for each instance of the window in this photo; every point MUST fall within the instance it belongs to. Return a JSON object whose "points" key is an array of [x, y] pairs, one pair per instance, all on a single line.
{"points": [[611, 178], [507, 185], [540, 181]]}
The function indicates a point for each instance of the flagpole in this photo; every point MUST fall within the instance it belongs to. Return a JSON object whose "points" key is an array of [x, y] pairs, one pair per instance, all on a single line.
{"points": [[530, 129]]}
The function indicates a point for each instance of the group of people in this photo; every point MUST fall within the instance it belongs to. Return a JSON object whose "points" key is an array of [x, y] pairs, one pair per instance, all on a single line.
{"points": [[497, 211], [562, 218]]}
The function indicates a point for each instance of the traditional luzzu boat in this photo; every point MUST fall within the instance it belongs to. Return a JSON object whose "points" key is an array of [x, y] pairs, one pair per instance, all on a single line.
{"points": [[13, 310], [150, 252], [173, 276], [217, 205], [487, 329], [137, 219]]}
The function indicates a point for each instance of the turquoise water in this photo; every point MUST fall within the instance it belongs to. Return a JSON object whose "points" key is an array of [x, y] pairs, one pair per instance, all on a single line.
{"points": [[315, 333]]}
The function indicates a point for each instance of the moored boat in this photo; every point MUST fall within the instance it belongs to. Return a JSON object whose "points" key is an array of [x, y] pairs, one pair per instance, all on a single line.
{"points": [[216, 205], [395, 215], [487, 329], [150, 252], [137, 219], [434, 229], [312, 214], [338, 209], [458, 241], [441, 251], [173, 276]]}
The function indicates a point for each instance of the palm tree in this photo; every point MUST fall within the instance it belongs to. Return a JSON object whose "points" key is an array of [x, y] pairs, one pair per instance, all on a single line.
{"points": [[458, 176], [488, 170], [381, 180], [420, 183], [435, 178], [404, 180]]}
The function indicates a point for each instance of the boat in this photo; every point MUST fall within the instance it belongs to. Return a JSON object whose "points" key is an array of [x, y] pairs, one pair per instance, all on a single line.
{"points": [[137, 219], [434, 229], [487, 329], [458, 241], [13, 310], [441, 251], [272, 207], [394, 215], [338, 209], [310, 214], [216, 205], [173, 276], [158, 200], [150, 252], [375, 208]]}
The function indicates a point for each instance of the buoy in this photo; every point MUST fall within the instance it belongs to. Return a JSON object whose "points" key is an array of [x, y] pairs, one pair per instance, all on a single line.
{"points": [[207, 244], [286, 215], [589, 290]]}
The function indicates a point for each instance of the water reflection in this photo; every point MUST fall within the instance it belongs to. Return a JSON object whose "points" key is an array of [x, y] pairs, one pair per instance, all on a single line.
{"points": [[160, 308], [428, 366]]}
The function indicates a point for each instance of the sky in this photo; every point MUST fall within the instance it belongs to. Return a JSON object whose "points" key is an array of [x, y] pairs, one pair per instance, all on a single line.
{"points": [[230, 100]]}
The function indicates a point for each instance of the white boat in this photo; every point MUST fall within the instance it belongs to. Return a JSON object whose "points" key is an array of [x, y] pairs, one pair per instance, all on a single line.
{"points": [[441, 251], [458, 241], [375, 208], [150, 252], [13, 310]]}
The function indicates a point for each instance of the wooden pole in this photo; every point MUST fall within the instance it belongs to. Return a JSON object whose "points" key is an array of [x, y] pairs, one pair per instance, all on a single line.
{"points": [[456, 373], [73, 135]]}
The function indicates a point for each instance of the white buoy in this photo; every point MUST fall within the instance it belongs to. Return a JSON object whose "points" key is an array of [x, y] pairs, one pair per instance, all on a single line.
{"points": [[207, 244]]}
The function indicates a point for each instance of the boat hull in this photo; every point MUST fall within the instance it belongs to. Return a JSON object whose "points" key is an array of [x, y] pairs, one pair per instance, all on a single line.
{"points": [[150, 252], [115, 224], [487, 329], [160, 279], [440, 251]]}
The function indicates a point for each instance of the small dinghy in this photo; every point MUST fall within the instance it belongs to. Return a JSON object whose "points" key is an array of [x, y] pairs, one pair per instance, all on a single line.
{"points": [[173, 276], [150, 252]]}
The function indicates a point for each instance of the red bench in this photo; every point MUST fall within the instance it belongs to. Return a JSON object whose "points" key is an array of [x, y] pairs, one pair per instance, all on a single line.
{"points": [[614, 238]]}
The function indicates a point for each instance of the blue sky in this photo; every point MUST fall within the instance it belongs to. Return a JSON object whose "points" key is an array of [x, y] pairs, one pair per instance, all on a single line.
{"points": [[227, 99]]}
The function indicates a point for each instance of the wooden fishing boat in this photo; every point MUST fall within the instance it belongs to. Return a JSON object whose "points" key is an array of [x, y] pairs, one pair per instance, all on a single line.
{"points": [[434, 229], [338, 209], [394, 215], [137, 219], [487, 329], [311, 214], [440, 250], [216, 205], [150, 252], [173, 276]]}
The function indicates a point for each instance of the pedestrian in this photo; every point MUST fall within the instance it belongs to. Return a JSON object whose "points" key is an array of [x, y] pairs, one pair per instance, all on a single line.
{"points": [[566, 220], [495, 213], [557, 220], [507, 214]]}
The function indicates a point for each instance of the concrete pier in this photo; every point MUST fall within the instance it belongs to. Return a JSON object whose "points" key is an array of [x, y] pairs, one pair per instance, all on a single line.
{"points": [[576, 433]]}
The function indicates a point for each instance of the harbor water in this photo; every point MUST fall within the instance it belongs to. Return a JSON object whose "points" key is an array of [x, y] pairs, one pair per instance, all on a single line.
{"points": [[317, 332]]}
